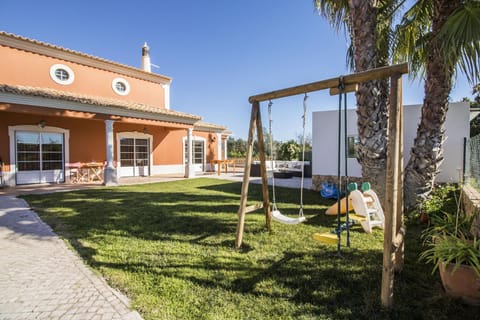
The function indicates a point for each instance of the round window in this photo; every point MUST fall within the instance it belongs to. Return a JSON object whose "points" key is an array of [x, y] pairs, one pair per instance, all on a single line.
{"points": [[62, 74], [120, 86]]}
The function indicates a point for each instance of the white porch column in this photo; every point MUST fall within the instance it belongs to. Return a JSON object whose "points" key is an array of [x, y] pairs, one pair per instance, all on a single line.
{"points": [[219, 147], [225, 151], [189, 169], [110, 173]]}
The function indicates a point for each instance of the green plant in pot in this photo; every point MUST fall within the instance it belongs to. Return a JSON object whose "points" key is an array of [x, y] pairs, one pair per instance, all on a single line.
{"points": [[453, 249]]}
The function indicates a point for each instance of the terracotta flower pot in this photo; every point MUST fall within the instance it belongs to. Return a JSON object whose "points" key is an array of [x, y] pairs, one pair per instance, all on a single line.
{"points": [[463, 283]]}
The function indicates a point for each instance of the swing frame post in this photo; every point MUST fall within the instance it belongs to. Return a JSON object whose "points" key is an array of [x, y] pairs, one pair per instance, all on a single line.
{"points": [[394, 231], [255, 123], [263, 169], [400, 227], [393, 192], [246, 176]]}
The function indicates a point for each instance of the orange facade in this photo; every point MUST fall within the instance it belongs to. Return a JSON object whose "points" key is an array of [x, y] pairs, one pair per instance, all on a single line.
{"points": [[30, 69], [47, 125]]}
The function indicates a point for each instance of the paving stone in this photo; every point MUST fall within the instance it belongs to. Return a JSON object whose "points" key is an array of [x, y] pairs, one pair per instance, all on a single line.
{"points": [[42, 279]]}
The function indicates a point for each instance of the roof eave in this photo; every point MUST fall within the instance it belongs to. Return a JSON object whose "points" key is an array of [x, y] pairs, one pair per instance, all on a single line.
{"points": [[208, 127], [44, 102]]}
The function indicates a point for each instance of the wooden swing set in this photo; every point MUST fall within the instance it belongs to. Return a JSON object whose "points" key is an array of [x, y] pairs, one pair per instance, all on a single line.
{"points": [[394, 229]]}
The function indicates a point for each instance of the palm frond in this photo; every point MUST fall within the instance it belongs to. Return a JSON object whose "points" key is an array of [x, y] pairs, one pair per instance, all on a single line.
{"points": [[411, 37], [350, 61], [460, 40], [336, 12]]}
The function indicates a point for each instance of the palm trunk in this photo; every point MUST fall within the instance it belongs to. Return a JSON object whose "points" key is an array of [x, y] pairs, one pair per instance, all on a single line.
{"points": [[372, 96], [426, 154]]}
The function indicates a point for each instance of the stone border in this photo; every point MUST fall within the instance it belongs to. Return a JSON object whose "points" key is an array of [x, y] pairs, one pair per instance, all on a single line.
{"points": [[471, 205]]}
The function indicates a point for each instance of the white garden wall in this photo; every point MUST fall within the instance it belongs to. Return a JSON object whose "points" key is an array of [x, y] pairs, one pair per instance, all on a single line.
{"points": [[325, 140]]}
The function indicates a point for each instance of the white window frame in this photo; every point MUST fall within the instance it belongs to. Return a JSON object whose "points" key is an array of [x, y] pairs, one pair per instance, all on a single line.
{"points": [[122, 81], [355, 139], [135, 135], [31, 128], [71, 74], [195, 138]]}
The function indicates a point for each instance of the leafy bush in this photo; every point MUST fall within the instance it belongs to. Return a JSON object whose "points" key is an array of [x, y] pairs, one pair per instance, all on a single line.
{"points": [[289, 151], [449, 238], [458, 251]]}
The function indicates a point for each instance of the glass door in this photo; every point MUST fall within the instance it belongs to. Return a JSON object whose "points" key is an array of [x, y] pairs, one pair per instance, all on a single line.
{"points": [[134, 157], [39, 157], [142, 156], [198, 153]]}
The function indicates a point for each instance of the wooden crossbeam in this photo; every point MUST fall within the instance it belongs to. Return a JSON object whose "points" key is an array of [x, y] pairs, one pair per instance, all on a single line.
{"points": [[254, 207], [348, 88], [359, 77]]}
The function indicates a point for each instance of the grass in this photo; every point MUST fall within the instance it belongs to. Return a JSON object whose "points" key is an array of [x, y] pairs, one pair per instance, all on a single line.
{"points": [[169, 247]]}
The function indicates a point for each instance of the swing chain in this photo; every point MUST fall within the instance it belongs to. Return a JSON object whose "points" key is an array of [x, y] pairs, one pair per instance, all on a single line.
{"points": [[341, 85], [270, 133], [304, 117], [270, 121]]}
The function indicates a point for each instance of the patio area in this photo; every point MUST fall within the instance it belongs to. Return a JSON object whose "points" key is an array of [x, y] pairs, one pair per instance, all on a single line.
{"points": [[236, 175]]}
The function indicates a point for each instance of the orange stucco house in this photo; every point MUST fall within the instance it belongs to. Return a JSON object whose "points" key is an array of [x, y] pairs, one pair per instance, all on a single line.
{"points": [[59, 108]]}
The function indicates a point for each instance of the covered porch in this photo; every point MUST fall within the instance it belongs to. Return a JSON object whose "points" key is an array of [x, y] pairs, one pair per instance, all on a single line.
{"points": [[49, 136]]}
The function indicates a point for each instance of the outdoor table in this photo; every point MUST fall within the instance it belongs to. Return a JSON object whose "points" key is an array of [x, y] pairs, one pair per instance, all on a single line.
{"points": [[224, 162], [92, 171]]}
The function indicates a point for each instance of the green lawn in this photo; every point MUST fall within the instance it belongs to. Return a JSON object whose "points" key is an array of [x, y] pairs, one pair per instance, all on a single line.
{"points": [[170, 247]]}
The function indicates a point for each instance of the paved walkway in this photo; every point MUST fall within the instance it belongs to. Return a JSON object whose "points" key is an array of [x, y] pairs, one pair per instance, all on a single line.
{"points": [[40, 278]]}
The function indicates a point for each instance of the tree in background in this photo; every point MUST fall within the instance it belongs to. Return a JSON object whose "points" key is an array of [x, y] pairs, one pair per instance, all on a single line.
{"points": [[475, 123], [237, 148], [308, 146], [368, 24], [289, 150], [438, 38]]}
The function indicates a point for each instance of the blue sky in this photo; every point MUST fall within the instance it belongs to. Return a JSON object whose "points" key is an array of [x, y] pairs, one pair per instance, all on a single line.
{"points": [[218, 52]]}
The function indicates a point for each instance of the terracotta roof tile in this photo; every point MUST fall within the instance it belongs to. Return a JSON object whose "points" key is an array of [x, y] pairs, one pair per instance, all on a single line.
{"points": [[92, 100], [206, 125]]}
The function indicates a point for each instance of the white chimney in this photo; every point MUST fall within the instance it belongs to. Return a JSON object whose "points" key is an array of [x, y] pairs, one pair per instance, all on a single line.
{"points": [[146, 65]]}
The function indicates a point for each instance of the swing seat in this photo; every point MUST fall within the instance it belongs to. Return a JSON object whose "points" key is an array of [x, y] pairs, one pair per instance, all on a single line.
{"points": [[328, 238], [279, 217]]}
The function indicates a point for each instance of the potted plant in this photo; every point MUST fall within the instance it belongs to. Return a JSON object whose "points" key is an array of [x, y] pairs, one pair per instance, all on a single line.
{"points": [[454, 250]]}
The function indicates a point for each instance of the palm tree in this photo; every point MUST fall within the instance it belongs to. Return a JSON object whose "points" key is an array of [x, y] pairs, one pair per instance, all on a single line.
{"points": [[439, 38], [368, 24]]}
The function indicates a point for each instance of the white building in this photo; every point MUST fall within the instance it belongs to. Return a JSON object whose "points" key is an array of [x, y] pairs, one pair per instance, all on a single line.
{"points": [[325, 141]]}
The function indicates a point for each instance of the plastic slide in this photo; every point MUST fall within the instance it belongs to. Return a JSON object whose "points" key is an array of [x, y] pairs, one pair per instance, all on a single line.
{"points": [[368, 206], [376, 205], [332, 210]]}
